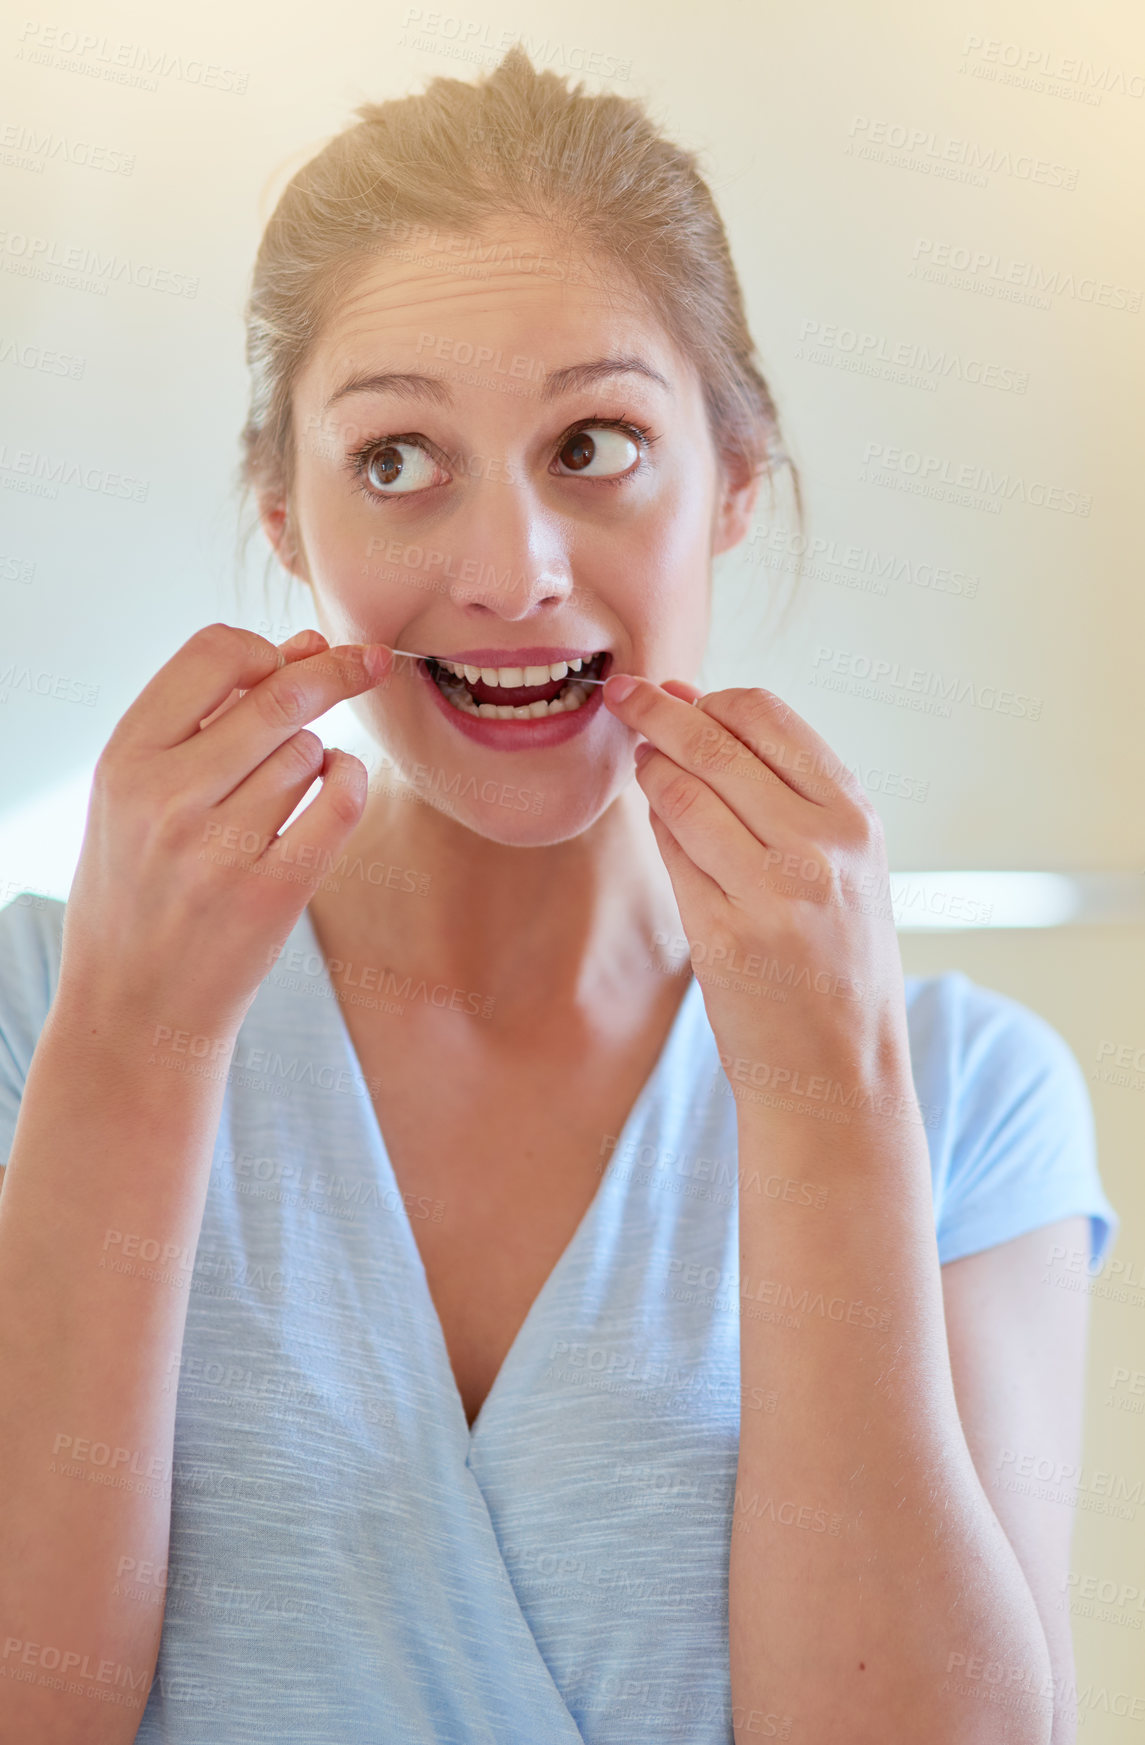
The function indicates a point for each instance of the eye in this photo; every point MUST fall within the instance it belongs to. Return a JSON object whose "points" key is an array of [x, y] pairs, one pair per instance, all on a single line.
{"points": [[604, 453], [394, 468]]}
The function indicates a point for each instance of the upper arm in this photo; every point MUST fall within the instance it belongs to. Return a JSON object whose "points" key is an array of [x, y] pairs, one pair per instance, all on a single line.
{"points": [[1017, 1343]]}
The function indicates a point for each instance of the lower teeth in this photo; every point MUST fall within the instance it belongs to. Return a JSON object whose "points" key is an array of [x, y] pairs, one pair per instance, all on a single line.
{"points": [[571, 697]]}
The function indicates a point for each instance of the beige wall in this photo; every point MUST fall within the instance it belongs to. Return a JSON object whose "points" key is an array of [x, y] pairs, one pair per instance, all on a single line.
{"points": [[841, 240]]}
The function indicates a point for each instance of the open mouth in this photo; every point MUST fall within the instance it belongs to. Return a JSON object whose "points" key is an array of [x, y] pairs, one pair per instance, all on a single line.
{"points": [[517, 693]]}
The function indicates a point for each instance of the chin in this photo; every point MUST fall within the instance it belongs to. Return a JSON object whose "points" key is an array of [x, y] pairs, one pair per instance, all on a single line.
{"points": [[518, 811]]}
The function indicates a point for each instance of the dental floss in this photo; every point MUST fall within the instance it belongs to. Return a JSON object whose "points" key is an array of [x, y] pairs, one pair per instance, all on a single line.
{"points": [[576, 676]]}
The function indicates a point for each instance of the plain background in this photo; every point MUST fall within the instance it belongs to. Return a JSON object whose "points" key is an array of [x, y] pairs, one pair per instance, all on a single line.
{"points": [[847, 145]]}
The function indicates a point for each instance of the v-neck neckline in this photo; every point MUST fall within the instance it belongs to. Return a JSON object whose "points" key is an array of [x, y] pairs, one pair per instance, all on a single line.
{"points": [[513, 1357]]}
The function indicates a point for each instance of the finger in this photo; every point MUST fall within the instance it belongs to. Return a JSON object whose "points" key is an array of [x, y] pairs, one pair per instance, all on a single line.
{"points": [[689, 735], [217, 660], [251, 816], [224, 754], [681, 688], [708, 831], [306, 852], [695, 891], [296, 648], [783, 741]]}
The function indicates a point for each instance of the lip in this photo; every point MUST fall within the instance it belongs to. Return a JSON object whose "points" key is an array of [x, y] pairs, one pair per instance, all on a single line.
{"points": [[534, 655], [522, 735]]}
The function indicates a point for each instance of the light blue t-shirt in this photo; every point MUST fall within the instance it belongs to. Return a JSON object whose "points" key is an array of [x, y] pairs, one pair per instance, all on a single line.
{"points": [[349, 1564]]}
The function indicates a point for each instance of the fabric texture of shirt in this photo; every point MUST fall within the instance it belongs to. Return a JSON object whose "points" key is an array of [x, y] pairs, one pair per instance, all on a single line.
{"points": [[349, 1562]]}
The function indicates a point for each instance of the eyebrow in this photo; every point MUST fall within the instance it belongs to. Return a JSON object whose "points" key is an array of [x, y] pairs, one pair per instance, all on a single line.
{"points": [[412, 386]]}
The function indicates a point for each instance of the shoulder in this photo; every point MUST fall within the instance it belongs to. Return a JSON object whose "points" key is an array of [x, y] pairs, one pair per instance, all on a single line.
{"points": [[955, 1017], [31, 939], [1007, 1114], [968, 1041], [31, 936]]}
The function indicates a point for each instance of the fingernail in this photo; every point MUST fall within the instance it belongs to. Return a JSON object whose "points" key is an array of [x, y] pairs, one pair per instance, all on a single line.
{"points": [[642, 750], [618, 686], [299, 640], [378, 658]]}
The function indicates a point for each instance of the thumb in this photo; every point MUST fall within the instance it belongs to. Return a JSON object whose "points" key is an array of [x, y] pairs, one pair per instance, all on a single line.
{"points": [[681, 688]]}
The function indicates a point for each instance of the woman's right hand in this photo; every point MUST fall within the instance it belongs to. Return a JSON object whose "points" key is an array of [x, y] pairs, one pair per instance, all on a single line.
{"points": [[184, 891]]}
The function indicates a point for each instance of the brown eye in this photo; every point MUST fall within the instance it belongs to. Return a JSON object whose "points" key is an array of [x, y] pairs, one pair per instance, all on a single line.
{"points": [[578, 451], [398, 468], [385, 467], [613, 451]]}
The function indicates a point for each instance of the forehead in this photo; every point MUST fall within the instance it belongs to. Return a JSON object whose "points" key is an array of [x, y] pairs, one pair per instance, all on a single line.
{"points": [[510, 286]]}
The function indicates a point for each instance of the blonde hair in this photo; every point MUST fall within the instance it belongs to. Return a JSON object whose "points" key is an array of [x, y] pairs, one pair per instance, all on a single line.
{"points": [[590, 170]]}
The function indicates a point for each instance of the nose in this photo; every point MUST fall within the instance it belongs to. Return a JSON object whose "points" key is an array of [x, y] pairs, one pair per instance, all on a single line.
{"points": [[511, 554]]}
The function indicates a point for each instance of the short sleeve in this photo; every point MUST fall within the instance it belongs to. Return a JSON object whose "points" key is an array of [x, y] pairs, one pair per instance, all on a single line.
{"points": [[31, 935], [1016, 1147]]}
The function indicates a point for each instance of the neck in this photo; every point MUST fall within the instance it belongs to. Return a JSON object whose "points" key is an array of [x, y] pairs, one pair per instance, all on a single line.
{"points": [[538, 929]]}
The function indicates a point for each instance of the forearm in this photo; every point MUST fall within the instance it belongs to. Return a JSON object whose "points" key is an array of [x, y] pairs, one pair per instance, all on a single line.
{"points": [[870, 1581], [100, 1214]]}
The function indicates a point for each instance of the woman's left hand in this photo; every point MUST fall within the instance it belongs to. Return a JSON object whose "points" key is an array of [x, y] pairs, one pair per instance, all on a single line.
{"points": [[778, 863]]}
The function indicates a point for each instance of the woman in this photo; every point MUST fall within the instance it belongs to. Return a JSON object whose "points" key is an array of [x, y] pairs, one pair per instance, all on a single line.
{"points": [[524, 1337]]}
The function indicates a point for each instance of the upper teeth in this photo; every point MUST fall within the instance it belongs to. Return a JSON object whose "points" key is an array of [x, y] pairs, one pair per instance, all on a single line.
{"points": [[508, 676]]}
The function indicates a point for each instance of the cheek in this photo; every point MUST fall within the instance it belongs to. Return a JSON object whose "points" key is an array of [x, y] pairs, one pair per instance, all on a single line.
{"points": [[664, 589]]}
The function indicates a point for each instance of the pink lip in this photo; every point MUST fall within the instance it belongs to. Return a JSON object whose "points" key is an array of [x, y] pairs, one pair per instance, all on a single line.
{"points": [[534, 656], [521, 735]]}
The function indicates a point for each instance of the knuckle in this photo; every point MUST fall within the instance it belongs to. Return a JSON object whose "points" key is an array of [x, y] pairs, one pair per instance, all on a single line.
{"points": [[677, 797], [303, 753], [708, 746], [862, 824], [345, 788], [176, 818], [231, 643], [119, 778], [105, 776], [282, 702], [778, 712], [220, 636]]}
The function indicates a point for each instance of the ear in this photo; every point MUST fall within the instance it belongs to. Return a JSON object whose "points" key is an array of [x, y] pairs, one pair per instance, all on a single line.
{"points": [[740, 488], [274, 518]]}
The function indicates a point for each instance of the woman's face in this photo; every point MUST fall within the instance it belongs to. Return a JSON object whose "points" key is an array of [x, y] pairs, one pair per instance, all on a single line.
{"points": [[505, 464]]}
